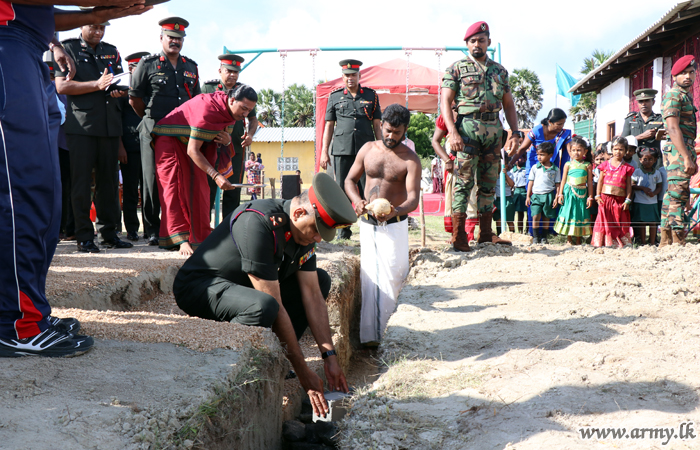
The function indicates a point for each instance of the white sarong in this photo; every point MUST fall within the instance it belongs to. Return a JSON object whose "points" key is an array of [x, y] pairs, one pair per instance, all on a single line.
{"points": [[383, 270]]}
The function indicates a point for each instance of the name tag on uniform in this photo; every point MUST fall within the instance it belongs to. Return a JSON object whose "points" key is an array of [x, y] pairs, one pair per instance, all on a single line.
{"points": [[307, 256], [190, 74]]}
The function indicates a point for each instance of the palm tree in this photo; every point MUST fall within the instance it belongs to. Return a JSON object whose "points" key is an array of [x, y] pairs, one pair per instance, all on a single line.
{"points": [[586, 107], [527, 95], [299, 106], [268, 107]]}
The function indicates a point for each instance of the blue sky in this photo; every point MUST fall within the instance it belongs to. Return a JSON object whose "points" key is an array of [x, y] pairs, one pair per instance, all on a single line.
{"points": [[533, 34]]}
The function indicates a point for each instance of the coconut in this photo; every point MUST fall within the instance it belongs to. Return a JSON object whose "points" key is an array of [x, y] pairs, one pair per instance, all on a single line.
{"points": [[379, 206]]}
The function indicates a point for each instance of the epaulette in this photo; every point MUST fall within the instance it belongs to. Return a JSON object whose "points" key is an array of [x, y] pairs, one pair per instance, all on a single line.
{"points": [[70, 40], [150, 57], [107, 43], [339, 89], [190, 60], [278, 220], [212, 82], [632, 114], [367, 88]]}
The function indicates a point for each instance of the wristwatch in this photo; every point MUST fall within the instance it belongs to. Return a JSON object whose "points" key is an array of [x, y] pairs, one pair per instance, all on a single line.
{"points": [[325, 355]]}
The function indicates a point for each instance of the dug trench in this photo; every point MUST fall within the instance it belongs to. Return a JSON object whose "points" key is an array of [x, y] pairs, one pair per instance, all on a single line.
{"points": [[157, 378]]}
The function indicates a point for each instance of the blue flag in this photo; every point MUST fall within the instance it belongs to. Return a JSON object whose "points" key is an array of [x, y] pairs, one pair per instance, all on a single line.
{"points": [[564, 83]]}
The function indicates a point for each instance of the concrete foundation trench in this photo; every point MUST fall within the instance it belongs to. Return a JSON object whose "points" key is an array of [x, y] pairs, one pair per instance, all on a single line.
{"points": [[158, 379]]}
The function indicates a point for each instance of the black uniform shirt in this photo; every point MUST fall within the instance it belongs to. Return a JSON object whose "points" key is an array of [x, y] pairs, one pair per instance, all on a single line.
{"points": [[635, 125], [94, 113], [255, 245], [162, 87], [353, 119]]}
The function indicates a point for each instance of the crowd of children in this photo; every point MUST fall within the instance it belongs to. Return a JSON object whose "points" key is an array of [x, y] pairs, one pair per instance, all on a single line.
{"points": [[611, 195]]}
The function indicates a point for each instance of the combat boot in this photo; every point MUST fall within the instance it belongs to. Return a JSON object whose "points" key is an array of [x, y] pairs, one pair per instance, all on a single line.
{"points": [[486, 232], [666, 237], [459, 235], [678, 237]]}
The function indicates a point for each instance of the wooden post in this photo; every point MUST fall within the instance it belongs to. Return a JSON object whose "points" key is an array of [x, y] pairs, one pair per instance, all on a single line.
{"points": [[272, 187], [422, 219]]}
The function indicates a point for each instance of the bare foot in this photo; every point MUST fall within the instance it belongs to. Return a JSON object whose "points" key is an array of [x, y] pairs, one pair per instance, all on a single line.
{"points": [[186, 249]]}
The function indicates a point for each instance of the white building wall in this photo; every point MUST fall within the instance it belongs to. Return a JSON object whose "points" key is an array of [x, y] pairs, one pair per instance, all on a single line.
{"points": [[613, 105], [658, 79]]}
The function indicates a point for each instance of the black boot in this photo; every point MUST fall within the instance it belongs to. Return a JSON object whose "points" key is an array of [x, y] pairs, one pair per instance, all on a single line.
{"points": [[544, 236]]}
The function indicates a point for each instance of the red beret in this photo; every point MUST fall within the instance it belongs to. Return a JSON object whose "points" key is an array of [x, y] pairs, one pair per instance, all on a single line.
{"points": [[479, 27], [681, 64]]}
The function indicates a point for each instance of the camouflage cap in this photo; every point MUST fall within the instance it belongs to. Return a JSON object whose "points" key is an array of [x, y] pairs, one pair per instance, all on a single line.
{"points": [[350, 65], [333, 208], [231, 62]]}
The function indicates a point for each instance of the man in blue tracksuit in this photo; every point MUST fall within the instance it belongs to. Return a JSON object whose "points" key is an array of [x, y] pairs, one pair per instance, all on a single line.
{"points": [[30, 186]]}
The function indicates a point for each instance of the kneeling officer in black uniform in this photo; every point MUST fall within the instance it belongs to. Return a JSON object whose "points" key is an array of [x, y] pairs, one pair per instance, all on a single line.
{"points": [[259, 268]]}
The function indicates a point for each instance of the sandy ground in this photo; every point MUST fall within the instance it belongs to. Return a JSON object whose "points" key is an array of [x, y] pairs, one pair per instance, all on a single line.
{"points": [[519, 348]]}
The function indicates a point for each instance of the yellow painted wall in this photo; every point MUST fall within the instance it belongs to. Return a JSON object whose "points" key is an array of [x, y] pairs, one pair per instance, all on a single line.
{"points": [[270, 151]]}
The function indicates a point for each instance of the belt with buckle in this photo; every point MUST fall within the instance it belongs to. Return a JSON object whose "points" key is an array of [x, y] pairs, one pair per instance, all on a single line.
{"points": [[485, 117]]}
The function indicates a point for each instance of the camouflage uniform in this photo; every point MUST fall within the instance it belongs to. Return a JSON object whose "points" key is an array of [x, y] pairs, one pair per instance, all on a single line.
{"points": [[480, 89], [677, 103]]}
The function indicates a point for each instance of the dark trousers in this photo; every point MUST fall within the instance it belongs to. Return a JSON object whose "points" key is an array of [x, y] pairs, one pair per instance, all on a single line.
{"points": [[221, 300], [98, 153], [30, 183], [67, 221], [231, 199], [150, 203], [341, 167], [132, 181]]}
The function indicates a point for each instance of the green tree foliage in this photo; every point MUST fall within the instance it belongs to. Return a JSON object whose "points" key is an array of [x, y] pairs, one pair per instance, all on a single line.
{"points": [[586, 107], [527, 95], [299, 106], [420, 131], [268, 107]]}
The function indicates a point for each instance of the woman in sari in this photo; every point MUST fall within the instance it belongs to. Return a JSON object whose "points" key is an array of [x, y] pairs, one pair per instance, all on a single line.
{"points": [[551, 129], [253, 168]]}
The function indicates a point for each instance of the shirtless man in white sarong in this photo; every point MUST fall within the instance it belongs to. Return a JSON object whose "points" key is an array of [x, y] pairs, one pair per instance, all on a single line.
{"points": [[393, 173]]}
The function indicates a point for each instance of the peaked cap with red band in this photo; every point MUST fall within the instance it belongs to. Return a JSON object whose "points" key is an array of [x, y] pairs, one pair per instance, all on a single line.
{"points": [[134, 58], [681, 64], [479, 27], [174, 26], [350, 65], [231, 61], [333, 208]]}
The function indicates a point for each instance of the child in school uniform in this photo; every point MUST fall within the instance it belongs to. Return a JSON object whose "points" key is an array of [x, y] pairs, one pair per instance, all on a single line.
{"points": [[647, 183], [542, 187], [519, 177]]}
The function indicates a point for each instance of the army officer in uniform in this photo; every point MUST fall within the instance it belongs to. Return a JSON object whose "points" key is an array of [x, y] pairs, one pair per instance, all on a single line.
{"points": [[353, 118], [241, 137], [160, 83], [645, 123], [259, 269], [93, 129]]}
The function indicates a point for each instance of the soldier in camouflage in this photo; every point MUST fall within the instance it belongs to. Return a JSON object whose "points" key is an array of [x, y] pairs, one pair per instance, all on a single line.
{"points": [[479, 86], [679, 115]]}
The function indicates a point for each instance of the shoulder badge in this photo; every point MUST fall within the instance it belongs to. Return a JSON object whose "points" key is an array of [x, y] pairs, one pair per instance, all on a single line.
{"points": [[150, 57], [632, 114], [277, 220], [211, 82], [337, 90], [188, 59]]}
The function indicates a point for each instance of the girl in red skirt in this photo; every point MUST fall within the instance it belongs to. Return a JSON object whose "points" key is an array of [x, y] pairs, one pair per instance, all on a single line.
{"points": [[614, 198]]}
